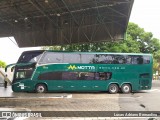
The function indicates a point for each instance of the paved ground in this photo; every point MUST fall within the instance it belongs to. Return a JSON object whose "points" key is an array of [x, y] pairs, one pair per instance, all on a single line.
{"points": [[100, 101], [146, 100], [62, 101]]}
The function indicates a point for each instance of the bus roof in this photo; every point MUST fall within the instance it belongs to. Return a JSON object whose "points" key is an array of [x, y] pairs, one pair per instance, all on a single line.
{"points": [[75, 52]]}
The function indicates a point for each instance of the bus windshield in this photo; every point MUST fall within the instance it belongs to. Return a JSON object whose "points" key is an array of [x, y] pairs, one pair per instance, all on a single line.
{"points": [[29, 56]]}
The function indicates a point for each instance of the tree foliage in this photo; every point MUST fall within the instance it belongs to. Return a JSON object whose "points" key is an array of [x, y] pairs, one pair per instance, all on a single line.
{"points": [[2, 64], [137, 41]]}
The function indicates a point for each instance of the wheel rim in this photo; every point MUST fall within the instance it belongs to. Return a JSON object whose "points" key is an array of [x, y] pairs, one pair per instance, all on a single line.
{"points": [[113, 89], [40, 89], [126, 89]]}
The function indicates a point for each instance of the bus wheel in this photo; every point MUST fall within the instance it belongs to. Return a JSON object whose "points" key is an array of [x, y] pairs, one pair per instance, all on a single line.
{"points": [[126, 88], [41, 88], [113, 88]]}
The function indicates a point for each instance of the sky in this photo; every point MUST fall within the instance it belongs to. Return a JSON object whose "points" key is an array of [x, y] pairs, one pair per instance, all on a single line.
{"points": [[145, 13]]}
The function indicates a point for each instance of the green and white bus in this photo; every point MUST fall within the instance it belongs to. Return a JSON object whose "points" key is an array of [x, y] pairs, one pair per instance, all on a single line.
{"points": [[48, 71]]}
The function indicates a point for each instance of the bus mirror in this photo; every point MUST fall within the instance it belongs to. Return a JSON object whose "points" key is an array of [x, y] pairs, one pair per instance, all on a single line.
{"points": [[5, 69], [12, 69]]}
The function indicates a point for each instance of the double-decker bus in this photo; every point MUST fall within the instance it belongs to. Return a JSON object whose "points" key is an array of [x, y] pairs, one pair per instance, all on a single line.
{"points": [[48, 71]]}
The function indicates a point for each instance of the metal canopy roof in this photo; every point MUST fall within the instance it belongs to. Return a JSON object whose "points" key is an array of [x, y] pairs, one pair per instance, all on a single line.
{"points": [[59, 22]]}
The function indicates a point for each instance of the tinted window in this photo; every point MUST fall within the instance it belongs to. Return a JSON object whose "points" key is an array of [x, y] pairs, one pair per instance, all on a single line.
{"points": [[87, 75], [75, 76], [30, 57], [70, 75], [23, 72], [88, 58], [71, 58], [104, 59], [146, 59], [51, 76], [137, 59], [128, 59], [101, 58], [109, 59], [52, 57], [119, 59]]}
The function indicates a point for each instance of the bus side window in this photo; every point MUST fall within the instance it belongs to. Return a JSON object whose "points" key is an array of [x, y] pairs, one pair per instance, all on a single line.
{"points": [[82, 76], [128, 60], [71, 58], [51, 57], [108, 75], [50, 76], [105, 75], [140, 60], [146, 59], [109, 59], [88, 58]]}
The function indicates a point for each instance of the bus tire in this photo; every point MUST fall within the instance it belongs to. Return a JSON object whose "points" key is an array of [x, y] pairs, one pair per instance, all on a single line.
{"points": [[126, 88], [113, 88], [41, 88]]}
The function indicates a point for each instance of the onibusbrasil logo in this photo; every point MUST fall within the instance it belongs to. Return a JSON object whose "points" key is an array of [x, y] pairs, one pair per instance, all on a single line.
{"points": [[76, 67]]}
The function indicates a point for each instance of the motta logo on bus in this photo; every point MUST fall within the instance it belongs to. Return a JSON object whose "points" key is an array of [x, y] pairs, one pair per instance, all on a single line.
{"points": [[74, 67]]}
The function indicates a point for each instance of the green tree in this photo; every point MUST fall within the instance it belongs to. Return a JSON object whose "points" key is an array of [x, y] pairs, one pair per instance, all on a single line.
{"points": [[2, 64], [145, 41]]}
